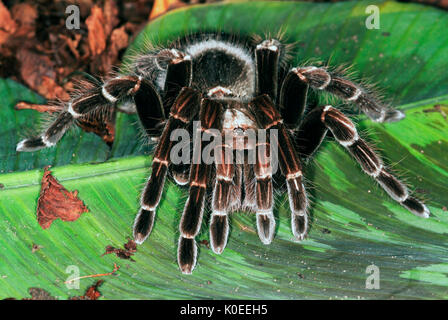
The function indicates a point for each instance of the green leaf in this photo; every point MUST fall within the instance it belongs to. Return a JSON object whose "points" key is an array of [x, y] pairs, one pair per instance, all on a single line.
{"points": [[354, 223]]}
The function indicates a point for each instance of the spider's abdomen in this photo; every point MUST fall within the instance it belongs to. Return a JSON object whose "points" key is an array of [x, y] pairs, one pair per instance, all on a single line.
{"points": [[225, 64]]}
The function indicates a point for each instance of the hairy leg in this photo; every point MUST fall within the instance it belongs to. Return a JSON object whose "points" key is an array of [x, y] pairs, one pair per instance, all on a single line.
{"points": [[345, 133], [321, 79], [185, 107]]}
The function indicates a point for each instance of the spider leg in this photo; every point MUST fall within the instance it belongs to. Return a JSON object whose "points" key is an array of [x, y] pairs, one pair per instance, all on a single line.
{"points": [[310, 134], [99, 97], [249, 185], [236, 192], [219, 224], [182, 112], [190, 224], [180, 173], [269, 118], [264, 195], [321, 79], [345, 133]]}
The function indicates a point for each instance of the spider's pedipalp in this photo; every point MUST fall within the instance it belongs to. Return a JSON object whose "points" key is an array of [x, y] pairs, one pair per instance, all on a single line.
{"points": [[321, 79], [345, 133], [269, 118], [183, 110], [149, 108], [178, 75], [293, 94], [267, 55], [210, 116]]}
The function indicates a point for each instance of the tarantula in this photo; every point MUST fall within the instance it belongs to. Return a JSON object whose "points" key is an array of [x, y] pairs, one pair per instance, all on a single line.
{"points": [[232, 85]]}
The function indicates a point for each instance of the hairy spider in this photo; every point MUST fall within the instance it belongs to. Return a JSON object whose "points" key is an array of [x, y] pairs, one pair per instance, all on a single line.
{"points": [[233, 85]]}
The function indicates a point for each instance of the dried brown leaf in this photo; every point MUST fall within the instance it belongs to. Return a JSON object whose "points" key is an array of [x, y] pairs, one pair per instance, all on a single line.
{"points": [[51, 90], [91, 293], [37, 70], [110, 16], [57, 202], [97, 35], [129, 249], [162, 6], [7, 23], [25, 15], [39, 294]]}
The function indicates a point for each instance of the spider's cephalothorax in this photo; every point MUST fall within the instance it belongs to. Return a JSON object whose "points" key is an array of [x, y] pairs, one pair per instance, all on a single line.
{"points": [[232, 85]]}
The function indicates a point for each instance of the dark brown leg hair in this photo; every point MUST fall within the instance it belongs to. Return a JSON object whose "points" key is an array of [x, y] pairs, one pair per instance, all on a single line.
{"points": [[321, 79], [113, 90], [211, 118], [185, 107], [345, 133], [269, 118]]}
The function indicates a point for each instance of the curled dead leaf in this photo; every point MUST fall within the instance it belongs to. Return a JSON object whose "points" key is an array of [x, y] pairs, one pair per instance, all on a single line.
{"points": [[56, 202]]}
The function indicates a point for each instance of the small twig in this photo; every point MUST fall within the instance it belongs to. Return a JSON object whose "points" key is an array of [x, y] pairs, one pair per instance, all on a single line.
{"points": [[38, 107], [96, 275]]}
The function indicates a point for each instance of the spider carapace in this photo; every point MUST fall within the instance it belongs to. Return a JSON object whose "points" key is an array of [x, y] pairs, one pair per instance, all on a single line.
{"points": [[231, 86]]}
